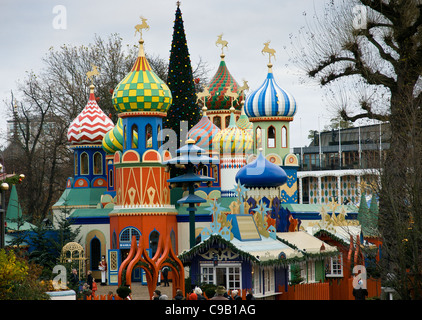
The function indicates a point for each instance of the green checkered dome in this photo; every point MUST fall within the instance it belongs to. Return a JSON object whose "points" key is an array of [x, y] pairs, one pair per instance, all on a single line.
{"points": [[142, 89]]}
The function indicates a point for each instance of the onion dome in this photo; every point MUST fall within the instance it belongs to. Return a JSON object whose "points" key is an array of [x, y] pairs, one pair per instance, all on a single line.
{"points": [[218, 87], [91, 125], [113, 140], [203, 132], [142, 89], [244, 123], [261, 173], [269, 100], [233, 140]]}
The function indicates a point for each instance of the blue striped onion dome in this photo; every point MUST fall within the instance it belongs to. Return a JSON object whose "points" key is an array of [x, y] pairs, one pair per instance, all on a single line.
{"points": [[233, 140], [269, 100], [203, 132]]}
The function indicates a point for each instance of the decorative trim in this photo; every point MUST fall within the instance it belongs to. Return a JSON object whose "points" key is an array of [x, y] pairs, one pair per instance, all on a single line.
{"points": [[280, 118], [143, 114]]}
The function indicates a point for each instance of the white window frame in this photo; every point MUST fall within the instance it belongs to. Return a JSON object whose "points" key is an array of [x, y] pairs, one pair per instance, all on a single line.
{"points": [[232, 269], [335, 266]]}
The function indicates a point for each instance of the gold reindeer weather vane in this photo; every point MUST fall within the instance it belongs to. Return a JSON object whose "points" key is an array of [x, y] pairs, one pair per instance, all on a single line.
{"points": [[90, 74], [267, 49], [221, 42], [143, 26]]}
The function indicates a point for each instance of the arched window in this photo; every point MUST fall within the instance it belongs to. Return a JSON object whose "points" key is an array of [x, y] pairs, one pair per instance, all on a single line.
{"points": [[114, 240], [84, 163], [227, 120], [148, 136], [159, 137], [217, 121], [271, 137], [110, 178], [98, 163], [134, 136], [126, 235], [95, 258], [284, 137], [153, 242], [124, 137], [76, 163], [258, 138]]}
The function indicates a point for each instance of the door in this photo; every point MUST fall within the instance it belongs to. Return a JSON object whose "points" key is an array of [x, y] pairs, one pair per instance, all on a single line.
{"points": [[114, 261], [221, 276]]}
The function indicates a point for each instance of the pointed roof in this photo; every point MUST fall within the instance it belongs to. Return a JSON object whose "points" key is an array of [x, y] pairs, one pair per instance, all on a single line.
{"points": [[14, 213], [91, 125], [218, 87], [142, 89], [203, 132]]}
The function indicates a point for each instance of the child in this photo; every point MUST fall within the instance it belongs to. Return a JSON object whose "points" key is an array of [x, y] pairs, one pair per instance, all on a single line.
{"points": [[94, 287]]}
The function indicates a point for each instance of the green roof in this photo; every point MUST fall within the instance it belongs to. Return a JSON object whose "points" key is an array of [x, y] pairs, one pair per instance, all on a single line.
{"points": [[14, 219], [83, 197], [91, 213]]}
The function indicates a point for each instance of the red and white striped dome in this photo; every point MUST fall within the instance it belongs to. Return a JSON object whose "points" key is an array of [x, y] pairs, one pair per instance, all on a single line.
{"points": [[91, 125]]}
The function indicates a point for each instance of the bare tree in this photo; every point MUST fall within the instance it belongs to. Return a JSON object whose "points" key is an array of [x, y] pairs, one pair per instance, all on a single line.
{"points": [[368, 53]]}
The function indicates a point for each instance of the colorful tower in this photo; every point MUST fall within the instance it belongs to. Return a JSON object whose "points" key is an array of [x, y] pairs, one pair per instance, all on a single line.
{"points": [[271, 109], [85, 135], [203, 133], [142, 202], [234, 145], [222, 84]]}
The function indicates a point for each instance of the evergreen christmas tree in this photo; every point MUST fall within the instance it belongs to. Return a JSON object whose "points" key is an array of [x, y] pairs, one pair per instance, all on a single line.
{"points": [[181, 84]]}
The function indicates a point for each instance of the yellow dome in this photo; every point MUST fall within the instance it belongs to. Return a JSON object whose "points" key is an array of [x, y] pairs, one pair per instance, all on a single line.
{"points": [[142, 89]]}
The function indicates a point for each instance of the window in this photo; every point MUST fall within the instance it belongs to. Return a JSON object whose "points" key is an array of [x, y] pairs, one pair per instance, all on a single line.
{"points": [[217, 121], [228, 275], [110, 178], [334, 267], [76, 163], [153, 242], [134, 136], [148, 136], [311, 271], [126, 236], [84, 163], [98, 163], [271, 137], [159, 138], [269, 280], [95, 247], [227, 121], [258, 138], [284, 137]]}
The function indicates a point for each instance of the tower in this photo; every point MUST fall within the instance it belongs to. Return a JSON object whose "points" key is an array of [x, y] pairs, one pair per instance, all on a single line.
{"points": [[85, 135], [142, 202], [219, 103], [271, 109]]}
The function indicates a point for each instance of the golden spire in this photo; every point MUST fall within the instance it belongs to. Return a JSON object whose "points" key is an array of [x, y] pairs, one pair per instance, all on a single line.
{"points": [[138, 29]]}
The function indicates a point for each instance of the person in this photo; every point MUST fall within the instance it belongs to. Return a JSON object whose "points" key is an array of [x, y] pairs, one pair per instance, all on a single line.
{"points": [[219, 293], [360, 293], [249, 295], [179, 295], [193, 296], [74, 279], [163, 297], [156, 295], [198, 292], [111, 295], [86, 291], [165, 272], [94, 287], [235, 295], [89, 279], [103, 268]]}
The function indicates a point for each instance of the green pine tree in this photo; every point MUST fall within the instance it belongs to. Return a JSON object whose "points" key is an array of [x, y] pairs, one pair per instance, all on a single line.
{"points": [[181, 84]]}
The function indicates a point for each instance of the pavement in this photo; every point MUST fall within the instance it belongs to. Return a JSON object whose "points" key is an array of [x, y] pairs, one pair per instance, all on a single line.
{"points": [[139, 291]]}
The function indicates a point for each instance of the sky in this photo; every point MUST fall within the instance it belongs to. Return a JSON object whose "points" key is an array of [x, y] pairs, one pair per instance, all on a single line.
{"points": [[28, 28]]}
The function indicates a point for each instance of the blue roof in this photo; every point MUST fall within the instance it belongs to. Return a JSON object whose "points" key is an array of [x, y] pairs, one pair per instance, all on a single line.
{"points": [[261, 173]]}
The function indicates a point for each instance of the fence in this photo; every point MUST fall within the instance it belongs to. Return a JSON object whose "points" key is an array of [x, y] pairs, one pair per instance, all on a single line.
{"points": [[335, 289]]}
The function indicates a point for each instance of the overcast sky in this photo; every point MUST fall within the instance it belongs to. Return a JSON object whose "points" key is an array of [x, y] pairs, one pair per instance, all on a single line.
{"points": [[28, 30]]}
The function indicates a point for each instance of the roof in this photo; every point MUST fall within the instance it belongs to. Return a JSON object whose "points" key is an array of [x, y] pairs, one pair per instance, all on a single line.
{"points": [[203, 133], [305, 242], [80, 197], [269, 100], [91, 125], [142, 89]]}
